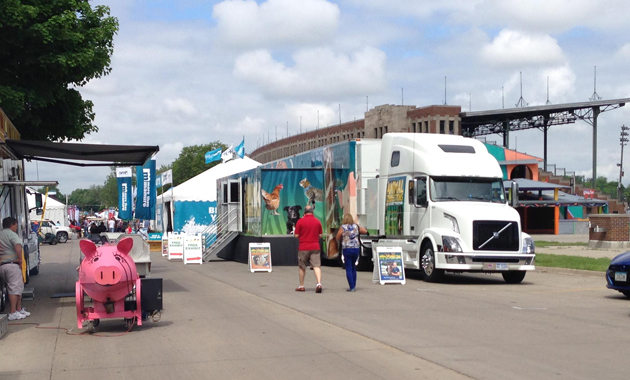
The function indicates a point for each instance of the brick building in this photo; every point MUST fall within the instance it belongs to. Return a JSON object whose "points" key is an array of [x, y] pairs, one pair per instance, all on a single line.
{"points": [[378, 121]]}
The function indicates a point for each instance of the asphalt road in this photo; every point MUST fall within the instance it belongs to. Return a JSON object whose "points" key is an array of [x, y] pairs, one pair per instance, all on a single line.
{"points": [[221, 321]]}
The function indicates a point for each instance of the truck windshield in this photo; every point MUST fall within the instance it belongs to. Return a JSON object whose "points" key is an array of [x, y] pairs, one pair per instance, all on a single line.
{"points": [[445, 189]]}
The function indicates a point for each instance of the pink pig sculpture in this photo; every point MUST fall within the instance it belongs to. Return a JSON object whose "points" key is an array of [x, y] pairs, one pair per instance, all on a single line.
{"points": [[108, 275]]}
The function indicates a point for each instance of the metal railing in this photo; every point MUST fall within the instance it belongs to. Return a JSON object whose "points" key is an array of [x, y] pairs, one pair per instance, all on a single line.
{"points": [[217, 232]]}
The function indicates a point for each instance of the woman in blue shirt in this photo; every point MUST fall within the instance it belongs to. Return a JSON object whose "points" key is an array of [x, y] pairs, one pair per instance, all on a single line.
{"points": [[350, 245]]}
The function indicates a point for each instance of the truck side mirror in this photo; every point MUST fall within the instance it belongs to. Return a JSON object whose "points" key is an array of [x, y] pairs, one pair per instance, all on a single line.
{"points": [[514, 194], [39, 211], [38, 201]]}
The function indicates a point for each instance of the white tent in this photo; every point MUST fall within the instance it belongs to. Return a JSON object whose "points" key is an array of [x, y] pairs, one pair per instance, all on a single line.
{"points": [[203, 187], [55, 210], [194, 201]]}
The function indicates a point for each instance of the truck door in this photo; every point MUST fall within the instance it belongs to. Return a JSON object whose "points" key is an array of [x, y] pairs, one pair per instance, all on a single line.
{"points": [[234, 205], [418, 204]]}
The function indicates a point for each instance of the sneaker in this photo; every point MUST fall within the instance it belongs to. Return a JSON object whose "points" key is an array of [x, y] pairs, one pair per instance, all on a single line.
{"points": [[24, 312], [318, 289], [16, 316]]}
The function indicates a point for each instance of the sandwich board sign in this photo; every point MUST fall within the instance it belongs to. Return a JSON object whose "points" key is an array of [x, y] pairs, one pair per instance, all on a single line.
{"points": [[192, 249], [165, 244], [176, 247], [388, 265], [259, 257]]}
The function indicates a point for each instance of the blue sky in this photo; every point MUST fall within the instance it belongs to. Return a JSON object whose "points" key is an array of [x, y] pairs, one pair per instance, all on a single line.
{"points": [[190, 72]]}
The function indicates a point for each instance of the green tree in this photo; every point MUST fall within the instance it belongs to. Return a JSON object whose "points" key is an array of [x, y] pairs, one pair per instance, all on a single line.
{"points": [[53, 189], [47, 48], [192, 161], [109, 190], [87, 199], [162, 169]]}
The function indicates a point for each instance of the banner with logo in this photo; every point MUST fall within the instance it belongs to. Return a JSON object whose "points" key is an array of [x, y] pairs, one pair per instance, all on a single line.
{"points": [[123, 176], [167, 177], [146, 197]]}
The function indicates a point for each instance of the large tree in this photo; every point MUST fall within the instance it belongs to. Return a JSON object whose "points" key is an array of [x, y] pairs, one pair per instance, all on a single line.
{"points": [[47, 49]]}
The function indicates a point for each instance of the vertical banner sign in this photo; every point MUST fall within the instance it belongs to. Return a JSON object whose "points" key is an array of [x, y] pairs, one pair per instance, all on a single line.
{"points": [[145, 201], [123, 176], [388, 265], [259, 257]]}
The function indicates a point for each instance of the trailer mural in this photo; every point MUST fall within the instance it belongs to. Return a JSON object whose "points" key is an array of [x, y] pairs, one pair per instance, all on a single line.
{"points": [[283, 196], [395, 195]]}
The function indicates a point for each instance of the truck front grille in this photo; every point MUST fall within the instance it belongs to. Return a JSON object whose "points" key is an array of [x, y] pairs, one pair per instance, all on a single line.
{"points": [[488, 232]]}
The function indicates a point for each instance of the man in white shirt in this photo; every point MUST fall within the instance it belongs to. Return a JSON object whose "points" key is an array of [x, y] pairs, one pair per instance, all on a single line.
{"points": [[111, 225]]}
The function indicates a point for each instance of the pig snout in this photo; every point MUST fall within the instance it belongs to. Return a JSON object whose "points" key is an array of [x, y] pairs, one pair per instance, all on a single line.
{"points": [[108, 275]]}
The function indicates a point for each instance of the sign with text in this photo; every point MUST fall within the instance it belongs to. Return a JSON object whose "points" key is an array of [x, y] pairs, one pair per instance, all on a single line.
{"points": [[192, 249], [389, 265], [176, 247], [123, 177], [146, 197], [259, 257]]}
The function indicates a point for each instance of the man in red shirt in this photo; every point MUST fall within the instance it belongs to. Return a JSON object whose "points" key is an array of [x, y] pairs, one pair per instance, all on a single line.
{"points": [[308, 230]]}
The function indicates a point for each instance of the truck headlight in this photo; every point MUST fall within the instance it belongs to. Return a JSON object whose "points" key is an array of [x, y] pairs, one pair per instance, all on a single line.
{"points": [[451, 244], [453, 221], [528, 245]]}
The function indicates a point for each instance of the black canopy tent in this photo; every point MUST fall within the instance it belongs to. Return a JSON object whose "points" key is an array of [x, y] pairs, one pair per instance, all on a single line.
{"points": [[76, 154]]}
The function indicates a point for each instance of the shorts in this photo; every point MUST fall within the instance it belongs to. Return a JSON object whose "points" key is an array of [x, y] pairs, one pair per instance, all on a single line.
{"points": [[12, 274], [309, 257]]}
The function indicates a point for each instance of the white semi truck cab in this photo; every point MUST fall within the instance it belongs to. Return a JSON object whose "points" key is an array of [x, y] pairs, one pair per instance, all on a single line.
{"points": [[441, 198]]}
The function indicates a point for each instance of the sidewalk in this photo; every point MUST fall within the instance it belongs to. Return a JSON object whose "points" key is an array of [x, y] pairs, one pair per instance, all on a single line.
{"points": [[575, 250]]}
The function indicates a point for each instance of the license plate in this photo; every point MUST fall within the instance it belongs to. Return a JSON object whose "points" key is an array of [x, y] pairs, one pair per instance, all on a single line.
{"points": [[502, 266], [621, 276]]}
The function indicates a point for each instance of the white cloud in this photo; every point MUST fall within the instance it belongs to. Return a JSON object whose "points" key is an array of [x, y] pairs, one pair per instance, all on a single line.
{"points": [[515, 48], [180, 106], [316, 73], [273, 22], [168, 153]]}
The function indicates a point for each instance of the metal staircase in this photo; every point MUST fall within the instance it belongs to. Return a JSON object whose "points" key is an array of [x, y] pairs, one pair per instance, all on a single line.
{"points": [[217, 235]]}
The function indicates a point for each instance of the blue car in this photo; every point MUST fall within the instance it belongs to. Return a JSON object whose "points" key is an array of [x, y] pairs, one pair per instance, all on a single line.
{"points": [[617, 275]]}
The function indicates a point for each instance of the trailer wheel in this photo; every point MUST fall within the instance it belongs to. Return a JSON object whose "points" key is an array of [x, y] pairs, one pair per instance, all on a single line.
{"points": [[54, 241], [427, 265], [514, 276]]}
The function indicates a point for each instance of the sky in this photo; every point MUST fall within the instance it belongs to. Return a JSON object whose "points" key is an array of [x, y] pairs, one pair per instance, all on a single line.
{"points": [[189, 72]]}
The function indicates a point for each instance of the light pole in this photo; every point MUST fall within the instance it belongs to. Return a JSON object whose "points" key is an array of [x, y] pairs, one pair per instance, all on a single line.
{"points": [[623, 140]]}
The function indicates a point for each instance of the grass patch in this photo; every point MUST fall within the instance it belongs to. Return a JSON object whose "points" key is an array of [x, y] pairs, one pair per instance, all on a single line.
{"points": [[572, 262], [543, 244]]}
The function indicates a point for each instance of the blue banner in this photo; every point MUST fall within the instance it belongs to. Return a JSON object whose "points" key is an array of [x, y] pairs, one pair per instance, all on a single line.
{"points": [[123, 177], [213, 155], [240, 149], [145, 199]]}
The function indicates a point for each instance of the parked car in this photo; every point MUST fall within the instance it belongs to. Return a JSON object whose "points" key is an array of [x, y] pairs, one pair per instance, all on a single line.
{"points": [[617, 274], [62, 233]]}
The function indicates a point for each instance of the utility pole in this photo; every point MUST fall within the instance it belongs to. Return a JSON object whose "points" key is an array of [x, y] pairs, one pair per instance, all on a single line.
{"points": [[623, 140]]}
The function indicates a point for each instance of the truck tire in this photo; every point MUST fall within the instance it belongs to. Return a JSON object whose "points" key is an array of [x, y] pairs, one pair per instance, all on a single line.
{"points": [[427, 265], [62, 237], [514, 276]]}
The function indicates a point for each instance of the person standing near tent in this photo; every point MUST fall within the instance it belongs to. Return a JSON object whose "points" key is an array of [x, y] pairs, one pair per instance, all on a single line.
{"points": [[111, 225]]}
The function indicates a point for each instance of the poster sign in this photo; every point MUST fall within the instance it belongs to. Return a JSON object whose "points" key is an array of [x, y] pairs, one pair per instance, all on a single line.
{"points": [[146, 197], [259, 257], [192, 249], [176, 247], [123, 177], [155, 236], [389, 268], [394, 198]]}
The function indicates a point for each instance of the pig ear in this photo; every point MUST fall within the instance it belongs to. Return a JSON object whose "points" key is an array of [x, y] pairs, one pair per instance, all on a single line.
{"points": [[125, 245], [87, 247]]}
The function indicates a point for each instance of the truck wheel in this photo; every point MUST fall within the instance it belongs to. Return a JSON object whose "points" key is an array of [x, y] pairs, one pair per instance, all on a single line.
{"points": [[62, 237], [514, 277], [427, 265]]}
